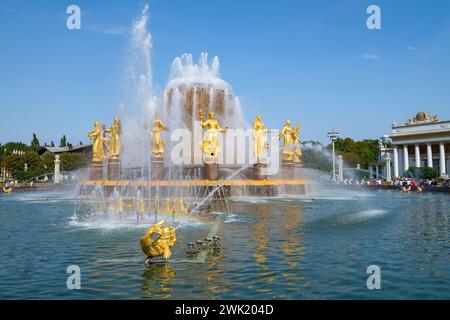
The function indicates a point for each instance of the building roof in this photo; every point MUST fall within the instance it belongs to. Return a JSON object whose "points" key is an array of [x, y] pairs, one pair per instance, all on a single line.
{"points": [[420, 129], [69, 148]]}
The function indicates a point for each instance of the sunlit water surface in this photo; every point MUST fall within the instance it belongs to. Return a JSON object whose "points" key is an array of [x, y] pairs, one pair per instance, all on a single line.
{"points": [[312, 247]]}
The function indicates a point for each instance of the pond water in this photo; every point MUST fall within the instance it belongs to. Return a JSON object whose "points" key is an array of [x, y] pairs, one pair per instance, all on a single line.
{"points": [[309, 247]]}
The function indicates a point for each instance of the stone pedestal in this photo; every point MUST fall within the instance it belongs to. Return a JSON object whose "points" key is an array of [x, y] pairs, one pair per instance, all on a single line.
{"points": [[287, 167], [211, 171], [257, 171], [157, 168], [114, 169], [97, 170], [297, 170], [57, 175]]}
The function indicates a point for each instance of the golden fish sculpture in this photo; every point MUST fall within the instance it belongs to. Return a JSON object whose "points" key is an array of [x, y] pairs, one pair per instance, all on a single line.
{"points": [[157, 241]]}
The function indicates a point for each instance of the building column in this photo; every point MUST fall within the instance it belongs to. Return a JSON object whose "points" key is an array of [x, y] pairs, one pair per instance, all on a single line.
{"points": [[429, 156], [417, 154], [388, 166], [377, 172], [441, 158], [371, 171], [396, 174], [405, 158]]}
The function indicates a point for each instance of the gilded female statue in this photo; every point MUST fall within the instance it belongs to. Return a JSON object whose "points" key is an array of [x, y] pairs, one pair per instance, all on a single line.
{"points": [[210, 144], [96, 136], [157, 142], [297, 155], [289, 135], [114, 139], [259, 138]]}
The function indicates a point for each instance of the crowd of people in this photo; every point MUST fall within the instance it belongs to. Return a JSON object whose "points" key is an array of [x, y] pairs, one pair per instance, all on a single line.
{"points": [[403, 182]]}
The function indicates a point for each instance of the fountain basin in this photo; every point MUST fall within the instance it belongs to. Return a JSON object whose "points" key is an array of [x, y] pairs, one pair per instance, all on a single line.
{"points": [[225, 188]]}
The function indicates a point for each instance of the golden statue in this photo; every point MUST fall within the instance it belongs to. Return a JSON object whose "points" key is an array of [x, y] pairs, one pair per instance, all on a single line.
{"points": [[297, 146], [119, 206], [142, 207], [97, 145], [289, 135], [297, 131], [165, 239], [297, 156], [168, 208], [210, 144], [157, 142], [259, 138], [114, 146], [180, 206]]}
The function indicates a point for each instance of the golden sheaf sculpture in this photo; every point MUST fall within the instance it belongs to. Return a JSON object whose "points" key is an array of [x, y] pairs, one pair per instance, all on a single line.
{"points": [[158, 240]]}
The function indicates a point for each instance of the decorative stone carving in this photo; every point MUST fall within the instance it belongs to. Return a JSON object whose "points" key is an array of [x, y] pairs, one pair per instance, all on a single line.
{"points": [[422, 117]]}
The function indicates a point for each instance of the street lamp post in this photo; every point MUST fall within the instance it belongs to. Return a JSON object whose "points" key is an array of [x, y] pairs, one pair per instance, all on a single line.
{"points": [[333, 135]]}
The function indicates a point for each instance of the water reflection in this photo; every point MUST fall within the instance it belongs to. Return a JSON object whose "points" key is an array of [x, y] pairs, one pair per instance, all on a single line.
{"points": [[293, 247], [214, 270], [260, 236], [279, 250], [428, 230], [272, 249], [157, 281]]}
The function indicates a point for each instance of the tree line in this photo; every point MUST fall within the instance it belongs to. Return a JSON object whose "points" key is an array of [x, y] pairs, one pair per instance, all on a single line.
{"points": [[318, 156], [23, 162]]}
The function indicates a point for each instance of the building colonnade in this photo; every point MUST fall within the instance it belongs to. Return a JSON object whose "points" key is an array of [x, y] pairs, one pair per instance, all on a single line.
{"points": [[418, 157]]}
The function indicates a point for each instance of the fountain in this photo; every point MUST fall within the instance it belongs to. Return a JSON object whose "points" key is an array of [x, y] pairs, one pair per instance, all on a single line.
{"points": [[135, 168]]}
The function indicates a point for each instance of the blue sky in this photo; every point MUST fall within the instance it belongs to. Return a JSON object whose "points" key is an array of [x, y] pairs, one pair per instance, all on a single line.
{"points": [[314, 62]]}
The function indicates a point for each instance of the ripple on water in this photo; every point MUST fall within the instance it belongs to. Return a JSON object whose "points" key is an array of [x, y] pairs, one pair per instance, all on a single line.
{"points": [[272, 249]]}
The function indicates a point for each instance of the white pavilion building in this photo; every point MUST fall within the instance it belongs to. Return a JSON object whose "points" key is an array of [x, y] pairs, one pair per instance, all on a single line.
{"points": [[424, 140]]}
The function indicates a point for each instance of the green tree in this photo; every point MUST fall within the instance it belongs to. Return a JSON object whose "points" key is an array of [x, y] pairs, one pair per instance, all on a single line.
{"points": [[346, 145], [15, 163], [367, 151], [63, 142], [52, 144], [71, 161], [35, 142], [10, 146], [48, 162]]}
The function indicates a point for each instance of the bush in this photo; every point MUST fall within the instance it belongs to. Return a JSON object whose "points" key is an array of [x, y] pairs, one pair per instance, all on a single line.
{"points": [[429, 173], [421, 173]]}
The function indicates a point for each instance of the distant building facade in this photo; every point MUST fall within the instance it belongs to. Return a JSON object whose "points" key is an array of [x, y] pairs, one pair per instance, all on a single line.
{"points": [[422, 141]]}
